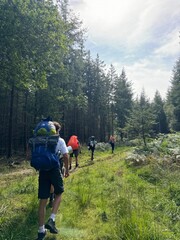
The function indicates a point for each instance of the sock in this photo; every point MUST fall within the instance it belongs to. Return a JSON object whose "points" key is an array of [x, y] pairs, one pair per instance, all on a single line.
{"points": [[53, 216], [41, 229]]}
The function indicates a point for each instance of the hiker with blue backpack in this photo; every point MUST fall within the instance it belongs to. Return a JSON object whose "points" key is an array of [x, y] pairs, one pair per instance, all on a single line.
{"points": [[62, 168], [45, 148]]}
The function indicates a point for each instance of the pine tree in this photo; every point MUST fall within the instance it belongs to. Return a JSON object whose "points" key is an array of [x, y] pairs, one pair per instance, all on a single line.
{"points": [[161, 125], [122, 100], [112, 77], [174, 98], [32, 45], [141, 119]]}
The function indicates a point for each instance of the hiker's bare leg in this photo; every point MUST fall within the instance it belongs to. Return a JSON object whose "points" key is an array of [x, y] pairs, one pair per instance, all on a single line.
{"points": [[42, 211], [76, 161], [92, 154], [52, 195], [56, 203], [70, 162], [52, 189]]}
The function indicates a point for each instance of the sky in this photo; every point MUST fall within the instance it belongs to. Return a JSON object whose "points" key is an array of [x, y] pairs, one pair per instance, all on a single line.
{"points": [[141, 36]]}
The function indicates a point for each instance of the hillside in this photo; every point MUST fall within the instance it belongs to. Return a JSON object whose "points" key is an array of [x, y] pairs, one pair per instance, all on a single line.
{"points": [[131, 194]]}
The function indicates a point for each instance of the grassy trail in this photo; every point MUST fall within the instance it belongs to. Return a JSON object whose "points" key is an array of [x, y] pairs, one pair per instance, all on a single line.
{"points": [[103, 200]]}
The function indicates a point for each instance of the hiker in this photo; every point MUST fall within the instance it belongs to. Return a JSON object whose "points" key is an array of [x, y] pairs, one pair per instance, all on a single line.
{"points": [[46, 179], [112, 142], [74, 143], [62, 169], [92, 146]]}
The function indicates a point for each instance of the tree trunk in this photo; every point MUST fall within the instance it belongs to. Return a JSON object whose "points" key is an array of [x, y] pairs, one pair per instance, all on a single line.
{"points": [[144, 138], [10, 130], [25, 122]]}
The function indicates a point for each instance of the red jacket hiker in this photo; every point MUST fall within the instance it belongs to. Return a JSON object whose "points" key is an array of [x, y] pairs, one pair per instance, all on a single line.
{"points": [[74, 143]]}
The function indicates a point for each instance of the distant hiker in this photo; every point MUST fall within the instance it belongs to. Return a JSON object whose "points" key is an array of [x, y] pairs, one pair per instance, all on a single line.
{"points": [[45, 149], [74, 143], [92, 145], [112, 142]]}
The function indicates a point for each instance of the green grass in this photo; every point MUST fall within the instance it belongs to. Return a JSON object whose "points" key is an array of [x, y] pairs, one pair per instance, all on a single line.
{"points": [[103, 200]]}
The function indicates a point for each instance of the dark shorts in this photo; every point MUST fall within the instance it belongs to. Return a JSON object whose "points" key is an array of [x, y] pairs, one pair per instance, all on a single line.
{"points": [[92, 148], [75, 153], [46, 178]]}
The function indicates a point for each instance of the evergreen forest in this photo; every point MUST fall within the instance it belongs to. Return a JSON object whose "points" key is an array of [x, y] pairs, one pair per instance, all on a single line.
{"points": [[45, 70]]}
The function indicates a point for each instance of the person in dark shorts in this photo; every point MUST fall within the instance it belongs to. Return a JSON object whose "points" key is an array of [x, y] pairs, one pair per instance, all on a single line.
{"points": [[91, 146], [74, 143], [112, 142], [47, 179]]}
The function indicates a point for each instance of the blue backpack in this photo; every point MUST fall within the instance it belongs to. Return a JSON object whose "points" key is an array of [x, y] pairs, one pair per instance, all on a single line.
{"points": [[43, 147]]}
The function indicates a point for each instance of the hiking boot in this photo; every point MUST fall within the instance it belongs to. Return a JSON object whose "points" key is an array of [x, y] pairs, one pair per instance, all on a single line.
{"points": [[50, 225], [77, 165], [70, 167], [41, 235]]}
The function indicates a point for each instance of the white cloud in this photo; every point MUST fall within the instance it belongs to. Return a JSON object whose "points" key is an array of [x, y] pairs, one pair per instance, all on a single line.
{"points": [[143, 76], [126, 21], [140, 35], [170, 46]]}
